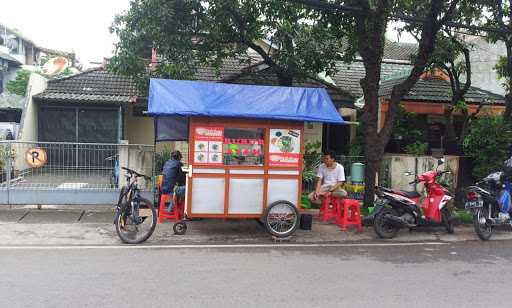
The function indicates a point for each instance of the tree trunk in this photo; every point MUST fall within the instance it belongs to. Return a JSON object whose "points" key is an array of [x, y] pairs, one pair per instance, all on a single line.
{"points": [[508, 96], [450, 137], [372, 150], [373, 163]]}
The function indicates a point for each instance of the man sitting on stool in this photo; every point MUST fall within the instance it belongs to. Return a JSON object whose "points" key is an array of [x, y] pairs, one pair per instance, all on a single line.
{"points": [[331, 178], [173, 176]]}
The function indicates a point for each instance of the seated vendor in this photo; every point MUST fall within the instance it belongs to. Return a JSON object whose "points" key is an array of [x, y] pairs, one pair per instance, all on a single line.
{"points": [[173, 178], [331, 178]]}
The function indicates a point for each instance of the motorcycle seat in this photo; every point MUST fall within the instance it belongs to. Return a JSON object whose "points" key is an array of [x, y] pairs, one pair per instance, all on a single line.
{"points": [[410, 194]]}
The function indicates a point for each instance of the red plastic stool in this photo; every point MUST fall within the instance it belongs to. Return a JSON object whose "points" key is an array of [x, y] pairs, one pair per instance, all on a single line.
{"points": [[327, 213], [349, 214], [177, 210]]}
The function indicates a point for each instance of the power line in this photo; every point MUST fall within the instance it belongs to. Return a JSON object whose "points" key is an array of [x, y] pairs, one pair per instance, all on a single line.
{"points": [[325, 6]]}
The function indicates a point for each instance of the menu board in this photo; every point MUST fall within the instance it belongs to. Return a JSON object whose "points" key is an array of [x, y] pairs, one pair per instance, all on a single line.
{"points": [[284, 147], [208, 145]]}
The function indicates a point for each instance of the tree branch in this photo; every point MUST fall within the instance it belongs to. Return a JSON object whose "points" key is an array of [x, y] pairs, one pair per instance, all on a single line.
{"points": [[450, 75], [426, 47], [467, 59]]}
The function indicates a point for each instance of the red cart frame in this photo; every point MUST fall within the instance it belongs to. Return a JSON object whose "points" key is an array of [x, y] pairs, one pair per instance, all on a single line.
{"points": [[264, 172]]}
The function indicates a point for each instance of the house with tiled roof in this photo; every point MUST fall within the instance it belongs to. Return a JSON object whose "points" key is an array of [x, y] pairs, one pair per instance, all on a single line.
{"points": [[87, 107], [98, 91], [429, 98]]}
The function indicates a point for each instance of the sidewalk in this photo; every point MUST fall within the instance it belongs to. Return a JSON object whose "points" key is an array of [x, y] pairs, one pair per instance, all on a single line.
{"points": [[76, 226]]}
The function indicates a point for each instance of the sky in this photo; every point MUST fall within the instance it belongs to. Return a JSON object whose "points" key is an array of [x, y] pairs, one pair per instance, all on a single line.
{"points": [[82, 26], [74, 25]]}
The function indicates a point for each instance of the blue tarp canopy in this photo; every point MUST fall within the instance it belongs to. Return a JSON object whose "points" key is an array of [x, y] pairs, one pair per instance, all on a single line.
{"points": [[197, 98]]}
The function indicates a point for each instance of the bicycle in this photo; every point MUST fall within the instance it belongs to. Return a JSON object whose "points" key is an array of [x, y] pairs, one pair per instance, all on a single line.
{"points": [[135, 217]]}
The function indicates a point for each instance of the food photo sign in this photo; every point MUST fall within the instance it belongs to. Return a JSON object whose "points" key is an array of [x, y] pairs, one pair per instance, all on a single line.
{"points": [[208, 145], [284, 147]]}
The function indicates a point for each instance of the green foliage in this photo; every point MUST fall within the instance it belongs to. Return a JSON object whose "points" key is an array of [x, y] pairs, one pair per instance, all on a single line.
{"points": [[19, 84], [5, 155], [188, 33], [503, 73], [312, 147], [312, 160], [407, 130], [487, 144], [463, 216], [306, 204], [417, 148], [66, 72], [161, 158]]}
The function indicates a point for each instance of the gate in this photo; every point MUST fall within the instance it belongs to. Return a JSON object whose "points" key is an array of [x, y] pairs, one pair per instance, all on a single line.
{"points": [[70, 173]]}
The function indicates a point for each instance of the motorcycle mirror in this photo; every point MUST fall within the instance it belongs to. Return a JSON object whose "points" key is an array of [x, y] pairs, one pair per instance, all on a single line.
{"points": [[440, 161]]}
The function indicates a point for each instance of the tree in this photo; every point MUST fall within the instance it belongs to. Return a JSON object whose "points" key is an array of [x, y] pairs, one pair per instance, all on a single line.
{"points": [[188, 33], [19, 84], [485, 144], [370, 20], [452, 56], [500, 17]]}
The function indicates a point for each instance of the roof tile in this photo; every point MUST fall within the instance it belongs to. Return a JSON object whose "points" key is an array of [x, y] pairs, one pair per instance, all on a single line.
{"points": [[438, 90]]}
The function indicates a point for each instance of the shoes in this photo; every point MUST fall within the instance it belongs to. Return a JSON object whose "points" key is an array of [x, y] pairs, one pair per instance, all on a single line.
{"points": [[503, 216]]}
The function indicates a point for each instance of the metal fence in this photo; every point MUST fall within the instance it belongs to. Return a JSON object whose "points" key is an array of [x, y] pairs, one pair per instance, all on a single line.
{"points": [[69, 167]]}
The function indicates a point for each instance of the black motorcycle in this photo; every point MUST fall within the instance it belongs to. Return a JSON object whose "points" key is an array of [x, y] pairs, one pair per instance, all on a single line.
{"points": [[482, 200]]}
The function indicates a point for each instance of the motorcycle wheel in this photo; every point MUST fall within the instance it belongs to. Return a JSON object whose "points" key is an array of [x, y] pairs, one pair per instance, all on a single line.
{"points": [[483, 230], [447, 222], [383, 229]]}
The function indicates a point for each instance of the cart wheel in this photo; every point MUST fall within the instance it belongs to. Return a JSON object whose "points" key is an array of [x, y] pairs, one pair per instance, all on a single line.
{"points": [[180, 228], [281, 218]]}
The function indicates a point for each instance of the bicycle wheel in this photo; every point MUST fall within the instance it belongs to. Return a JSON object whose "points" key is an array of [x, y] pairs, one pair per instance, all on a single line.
{"points": [[135, 224]]}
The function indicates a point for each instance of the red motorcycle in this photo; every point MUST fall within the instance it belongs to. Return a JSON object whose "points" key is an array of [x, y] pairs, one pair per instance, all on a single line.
{"points": [[396, 209]]}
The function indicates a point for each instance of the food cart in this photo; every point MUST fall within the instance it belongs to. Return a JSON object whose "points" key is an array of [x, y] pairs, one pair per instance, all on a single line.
{"points": [[245, 146]]}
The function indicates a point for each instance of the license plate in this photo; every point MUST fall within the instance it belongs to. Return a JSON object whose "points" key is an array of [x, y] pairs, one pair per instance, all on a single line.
{"points": [[474, 204]]}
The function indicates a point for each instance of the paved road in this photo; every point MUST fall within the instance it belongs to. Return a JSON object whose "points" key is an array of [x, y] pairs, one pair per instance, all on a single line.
{"points": [[462, 274]]}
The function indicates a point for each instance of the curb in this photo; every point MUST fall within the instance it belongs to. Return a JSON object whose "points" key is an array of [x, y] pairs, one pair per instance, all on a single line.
{"points": [[91, 208]]}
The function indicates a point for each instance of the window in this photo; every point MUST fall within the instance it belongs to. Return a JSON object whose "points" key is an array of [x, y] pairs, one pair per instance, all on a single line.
{"points": [[244, 146]]}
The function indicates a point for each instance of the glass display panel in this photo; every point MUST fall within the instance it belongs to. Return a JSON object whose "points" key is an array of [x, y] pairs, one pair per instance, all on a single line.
{"points": [[244, 146]]}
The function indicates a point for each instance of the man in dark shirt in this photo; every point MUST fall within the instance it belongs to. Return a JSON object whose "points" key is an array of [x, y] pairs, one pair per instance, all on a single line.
{"points": [[173, 177]]}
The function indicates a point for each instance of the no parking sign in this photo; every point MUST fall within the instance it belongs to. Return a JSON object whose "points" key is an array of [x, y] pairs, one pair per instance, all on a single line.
{"points": [[35, 157]]}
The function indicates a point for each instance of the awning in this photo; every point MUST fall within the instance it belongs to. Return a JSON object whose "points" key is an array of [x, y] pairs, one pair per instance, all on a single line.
{"points": [[197, 98]]}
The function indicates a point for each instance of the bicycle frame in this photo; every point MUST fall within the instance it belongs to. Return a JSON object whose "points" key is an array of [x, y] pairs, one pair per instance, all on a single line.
{"points": [[131, 192]]}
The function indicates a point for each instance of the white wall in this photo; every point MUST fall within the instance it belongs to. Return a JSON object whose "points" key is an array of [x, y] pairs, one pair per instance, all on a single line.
{"points": [[28, 125], [138, 129], [484, 57], [399, 164], [313, 133], [138, 158]]}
